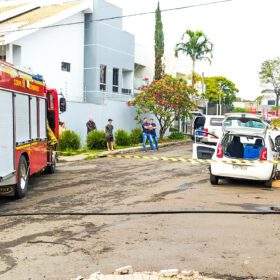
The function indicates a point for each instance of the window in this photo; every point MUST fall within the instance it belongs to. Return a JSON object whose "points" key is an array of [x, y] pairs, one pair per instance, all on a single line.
{"points": [[103, 77], [3, 53], [65, 66], [216, 121], [115, 80]]}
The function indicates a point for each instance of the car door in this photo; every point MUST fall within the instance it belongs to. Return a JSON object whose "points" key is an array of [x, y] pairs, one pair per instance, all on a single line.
{"points": [[202, 150], [274, 149], [191, 121]]}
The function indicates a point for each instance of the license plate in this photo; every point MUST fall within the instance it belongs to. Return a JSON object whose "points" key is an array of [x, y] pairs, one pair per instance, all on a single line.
{"points": [[242, 167]]}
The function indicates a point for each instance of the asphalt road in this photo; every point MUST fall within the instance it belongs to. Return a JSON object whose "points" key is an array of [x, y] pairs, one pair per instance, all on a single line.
{"points": [[62, 247]]}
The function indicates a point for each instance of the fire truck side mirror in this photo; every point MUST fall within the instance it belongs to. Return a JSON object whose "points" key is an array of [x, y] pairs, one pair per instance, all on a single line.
{"points": [[62, 104]]}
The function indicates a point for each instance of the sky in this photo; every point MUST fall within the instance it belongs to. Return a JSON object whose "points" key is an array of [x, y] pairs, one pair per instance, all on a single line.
{"points": [[244, 34]]}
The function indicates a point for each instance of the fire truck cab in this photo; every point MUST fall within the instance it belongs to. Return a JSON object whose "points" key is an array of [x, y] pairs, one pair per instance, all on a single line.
{"points": [[29, 117]]}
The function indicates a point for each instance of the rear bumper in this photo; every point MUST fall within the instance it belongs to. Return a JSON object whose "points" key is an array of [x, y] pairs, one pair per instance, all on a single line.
{"points": [[7, 185], [258, 172]]}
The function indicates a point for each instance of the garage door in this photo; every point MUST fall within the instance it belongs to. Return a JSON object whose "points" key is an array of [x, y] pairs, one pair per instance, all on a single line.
{"points": [[6, 134]]}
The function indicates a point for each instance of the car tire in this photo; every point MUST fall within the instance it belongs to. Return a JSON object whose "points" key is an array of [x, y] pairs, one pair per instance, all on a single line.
{"points": [[23, 176], [268, 184], [214, 180]]}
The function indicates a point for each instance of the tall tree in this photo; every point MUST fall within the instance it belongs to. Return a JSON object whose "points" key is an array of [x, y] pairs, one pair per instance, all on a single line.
{"points": [[159, 45], [166, 99], [196, 45], [220, 89], [270, 76]]}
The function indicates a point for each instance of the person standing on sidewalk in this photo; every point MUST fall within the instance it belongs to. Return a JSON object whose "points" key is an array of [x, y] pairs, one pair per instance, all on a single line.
{"points": [[153, 132], [109, 135], [90, 125], [147, 135]]}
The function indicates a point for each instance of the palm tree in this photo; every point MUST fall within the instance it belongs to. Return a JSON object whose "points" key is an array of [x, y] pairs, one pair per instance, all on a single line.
{"points": [[196, 45]]}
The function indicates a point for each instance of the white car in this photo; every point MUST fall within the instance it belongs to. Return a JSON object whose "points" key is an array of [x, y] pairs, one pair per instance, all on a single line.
{"points": [[245, 137], [203, 126]]}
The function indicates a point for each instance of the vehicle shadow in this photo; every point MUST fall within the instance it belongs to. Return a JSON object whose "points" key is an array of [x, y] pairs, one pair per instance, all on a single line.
{"points": [[237, 183]]}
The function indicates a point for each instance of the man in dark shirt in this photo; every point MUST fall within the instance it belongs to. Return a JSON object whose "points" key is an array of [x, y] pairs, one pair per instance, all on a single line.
{"points": [[153, 132], [90, 125], [109, 135], [147, 135]]}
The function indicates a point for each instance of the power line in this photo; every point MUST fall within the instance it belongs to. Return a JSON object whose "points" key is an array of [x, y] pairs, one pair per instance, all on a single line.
{"points": [[117, 17]]}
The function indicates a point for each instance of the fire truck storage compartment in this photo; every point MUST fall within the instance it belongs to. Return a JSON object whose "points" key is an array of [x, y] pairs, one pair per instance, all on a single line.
{"points": [[22, 119], [6, 134], [43, 116], [34, 118]]}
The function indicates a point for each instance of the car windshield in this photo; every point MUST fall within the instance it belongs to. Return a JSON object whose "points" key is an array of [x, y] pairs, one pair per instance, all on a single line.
{"points": [[242, 147], [235, 122]]}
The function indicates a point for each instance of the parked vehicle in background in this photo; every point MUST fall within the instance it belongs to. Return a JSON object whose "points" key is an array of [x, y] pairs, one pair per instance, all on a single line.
{"points": [[29, 128], [200, 124], [213, 125], [245, 137]]}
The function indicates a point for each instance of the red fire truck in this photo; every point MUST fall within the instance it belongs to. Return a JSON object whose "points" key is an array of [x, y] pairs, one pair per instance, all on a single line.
{"points": [[28, 109]]}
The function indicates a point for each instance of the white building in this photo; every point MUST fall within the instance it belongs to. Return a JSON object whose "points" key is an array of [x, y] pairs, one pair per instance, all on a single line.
{"points": [[85, 56]]}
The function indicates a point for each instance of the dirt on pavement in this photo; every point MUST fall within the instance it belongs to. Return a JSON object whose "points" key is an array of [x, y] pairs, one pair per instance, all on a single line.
{"points": [[63, 247]]}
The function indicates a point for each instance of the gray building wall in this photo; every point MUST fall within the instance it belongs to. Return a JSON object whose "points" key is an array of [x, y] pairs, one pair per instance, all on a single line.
{"points": [[77, 115], [106, 43]]}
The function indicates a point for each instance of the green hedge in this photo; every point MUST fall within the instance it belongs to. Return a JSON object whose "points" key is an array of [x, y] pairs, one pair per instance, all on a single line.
{"points": [[176, 136], [122, 138], [135, 136], [96, 140], [69, 140]]}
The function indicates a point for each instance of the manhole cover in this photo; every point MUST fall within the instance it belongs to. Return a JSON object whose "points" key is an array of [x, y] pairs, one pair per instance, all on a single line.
{"points": [[275, 208]]}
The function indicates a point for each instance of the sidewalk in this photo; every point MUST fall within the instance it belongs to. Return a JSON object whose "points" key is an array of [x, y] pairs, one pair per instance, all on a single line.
{"points": [[116, 152]]}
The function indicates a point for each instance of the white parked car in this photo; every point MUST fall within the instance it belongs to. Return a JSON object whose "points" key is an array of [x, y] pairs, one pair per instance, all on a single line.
{"points": [[245, 137], [201, 125]]}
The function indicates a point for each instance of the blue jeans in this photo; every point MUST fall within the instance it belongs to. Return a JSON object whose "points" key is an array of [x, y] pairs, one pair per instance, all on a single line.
{"points": [[149, 137], [155, 138]]}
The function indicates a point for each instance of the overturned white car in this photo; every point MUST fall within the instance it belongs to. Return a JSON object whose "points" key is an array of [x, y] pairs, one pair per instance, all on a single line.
{"points": [[245, 138]]}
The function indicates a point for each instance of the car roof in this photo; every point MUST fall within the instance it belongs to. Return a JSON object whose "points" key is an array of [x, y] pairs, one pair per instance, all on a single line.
{"points": [[243, 115], [215, 116]]}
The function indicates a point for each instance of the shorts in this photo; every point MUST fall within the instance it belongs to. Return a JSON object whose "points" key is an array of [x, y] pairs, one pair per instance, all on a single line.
{"points": [[110, 139]]}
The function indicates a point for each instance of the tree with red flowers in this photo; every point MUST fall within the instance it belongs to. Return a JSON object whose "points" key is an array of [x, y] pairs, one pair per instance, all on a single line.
{"points": [[166, 98]]}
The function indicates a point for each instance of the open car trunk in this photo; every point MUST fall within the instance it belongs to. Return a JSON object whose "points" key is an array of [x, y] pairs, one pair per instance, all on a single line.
{"points": [[238, 146]]}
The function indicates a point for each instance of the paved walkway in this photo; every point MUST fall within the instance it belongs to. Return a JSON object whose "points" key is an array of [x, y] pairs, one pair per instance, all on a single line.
{"points": [[122, 151]]}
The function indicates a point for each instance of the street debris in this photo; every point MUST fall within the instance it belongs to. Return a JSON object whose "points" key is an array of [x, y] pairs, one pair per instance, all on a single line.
{"points": [[124, 270], [126, 273]]}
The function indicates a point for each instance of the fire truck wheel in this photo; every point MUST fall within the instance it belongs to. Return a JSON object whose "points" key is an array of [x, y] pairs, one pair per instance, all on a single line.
{"points": [[51, 168], [23, 174]]}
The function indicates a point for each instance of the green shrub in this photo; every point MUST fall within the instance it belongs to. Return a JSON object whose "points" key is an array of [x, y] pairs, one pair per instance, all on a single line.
{"points": [[239, 110], [135, 136], [176, 135], [96, 140], [69, 140], [275, 122], [122, 138]]}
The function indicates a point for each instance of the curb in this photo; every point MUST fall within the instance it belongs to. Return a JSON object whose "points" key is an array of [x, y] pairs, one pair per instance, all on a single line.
{"points": [[117, 152]]}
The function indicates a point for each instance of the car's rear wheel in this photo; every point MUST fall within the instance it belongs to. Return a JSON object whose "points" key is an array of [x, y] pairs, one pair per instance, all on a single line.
{"points": [[268, 184], [214, 180]]}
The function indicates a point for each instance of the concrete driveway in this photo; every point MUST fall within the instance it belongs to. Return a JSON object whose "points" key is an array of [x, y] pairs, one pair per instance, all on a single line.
{"points": [[63, 247]]}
